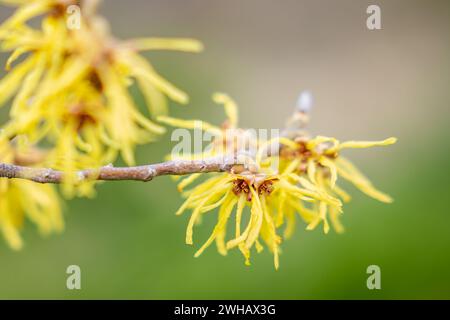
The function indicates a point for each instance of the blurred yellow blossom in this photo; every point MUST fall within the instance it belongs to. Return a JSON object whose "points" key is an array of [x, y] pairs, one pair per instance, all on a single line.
{"points": [[71, 89], [23, 199]]}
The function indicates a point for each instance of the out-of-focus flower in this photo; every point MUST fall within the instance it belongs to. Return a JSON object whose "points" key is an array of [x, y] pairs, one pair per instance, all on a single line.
{"points": [[23, 199], [72, 87]]}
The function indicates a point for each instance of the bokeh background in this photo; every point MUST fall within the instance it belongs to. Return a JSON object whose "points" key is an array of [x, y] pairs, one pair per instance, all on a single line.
{"points": [[366, 84]]}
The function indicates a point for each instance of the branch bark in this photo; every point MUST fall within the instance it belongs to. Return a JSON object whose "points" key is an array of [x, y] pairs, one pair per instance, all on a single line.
{"points": [[110, 173]]}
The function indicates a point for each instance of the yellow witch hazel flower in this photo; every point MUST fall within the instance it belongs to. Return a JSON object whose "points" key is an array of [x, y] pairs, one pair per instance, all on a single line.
{"points": [[72, 88], [303, 185], [238, 189], [316, 164], [261, 193], [41, 205]]}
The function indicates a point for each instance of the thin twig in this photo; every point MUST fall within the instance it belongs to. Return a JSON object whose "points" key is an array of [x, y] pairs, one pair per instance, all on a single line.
{"points": [[110, 173]]}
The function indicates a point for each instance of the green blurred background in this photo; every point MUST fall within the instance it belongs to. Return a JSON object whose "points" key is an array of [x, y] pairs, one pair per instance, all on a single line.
{"points": [[366, 84]]}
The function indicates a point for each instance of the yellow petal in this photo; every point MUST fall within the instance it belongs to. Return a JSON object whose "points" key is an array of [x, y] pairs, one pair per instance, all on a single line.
{"points": [[156, 101], [312, 171], [342, 193], [240, 209], [333, 171], [313, 224], [259, 247], [256, 211], [367, 144], [29, 84], [179, 44], [334, 217], [346, 170], [187, 181], [141, 68], [25, 13], [146, 123], [12, 236], [323, 216], [190, 124], [293, 165], [215, 204], [306, 214], [15, 55], [12, 81], [224, 214], [196, 213]]}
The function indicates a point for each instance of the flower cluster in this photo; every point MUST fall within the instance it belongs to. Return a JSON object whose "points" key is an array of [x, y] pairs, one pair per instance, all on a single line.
{"points": [[68, 92], [71, 89], [302, 184]]}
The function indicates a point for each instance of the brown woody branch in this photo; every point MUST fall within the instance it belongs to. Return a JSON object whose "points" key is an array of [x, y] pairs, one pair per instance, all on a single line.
{"points": [[110, 173]]}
